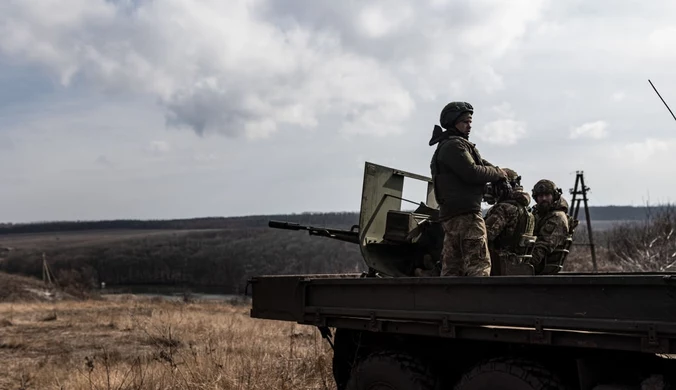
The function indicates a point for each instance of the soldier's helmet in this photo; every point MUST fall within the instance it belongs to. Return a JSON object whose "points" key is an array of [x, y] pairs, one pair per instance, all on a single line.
{"points": [[513, 179], [544, 187], [452, 111], [511, 174]]}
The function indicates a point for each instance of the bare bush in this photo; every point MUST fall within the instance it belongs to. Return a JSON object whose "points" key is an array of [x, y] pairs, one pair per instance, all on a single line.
{"points": [[645, 246]]}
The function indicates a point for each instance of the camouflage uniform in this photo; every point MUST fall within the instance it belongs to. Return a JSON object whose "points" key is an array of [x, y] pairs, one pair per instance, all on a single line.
{"points": [[506, 223], [465, 250], [552, 223], [459, 174]]}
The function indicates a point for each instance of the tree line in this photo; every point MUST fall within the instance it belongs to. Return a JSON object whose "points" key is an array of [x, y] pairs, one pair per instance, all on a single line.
{"points": [[597, 213], [253, 221]]}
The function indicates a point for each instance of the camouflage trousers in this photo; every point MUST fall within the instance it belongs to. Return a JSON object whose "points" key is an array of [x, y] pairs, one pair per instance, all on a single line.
{"points": [[465, 250]]}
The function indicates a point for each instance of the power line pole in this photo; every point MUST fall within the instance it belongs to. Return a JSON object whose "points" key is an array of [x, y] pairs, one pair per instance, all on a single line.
{"points": [[46, 272], [581, 189]]}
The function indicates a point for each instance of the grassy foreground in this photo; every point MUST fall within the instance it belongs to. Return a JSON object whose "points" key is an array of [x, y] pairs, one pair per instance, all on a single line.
{"points": [[128, 342]]}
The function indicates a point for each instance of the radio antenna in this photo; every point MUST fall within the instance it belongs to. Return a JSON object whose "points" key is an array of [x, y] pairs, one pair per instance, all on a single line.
{"points": [[665, 103]]}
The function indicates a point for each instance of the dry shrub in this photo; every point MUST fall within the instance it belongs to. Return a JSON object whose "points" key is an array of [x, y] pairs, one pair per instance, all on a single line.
{"points": [[647, 245], [79, 283]]}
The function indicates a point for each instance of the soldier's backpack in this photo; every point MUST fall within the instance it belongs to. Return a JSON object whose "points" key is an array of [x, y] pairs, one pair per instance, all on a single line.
{"points": [[521, 242]]}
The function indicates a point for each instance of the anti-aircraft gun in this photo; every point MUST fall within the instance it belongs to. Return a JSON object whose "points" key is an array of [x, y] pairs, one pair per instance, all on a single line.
{"points": [[396, 242], [393, 242]]}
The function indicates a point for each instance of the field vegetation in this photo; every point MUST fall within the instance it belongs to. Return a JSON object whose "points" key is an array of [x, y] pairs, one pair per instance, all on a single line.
{"points": [[128, 342], [645, 245], [71, 337]]}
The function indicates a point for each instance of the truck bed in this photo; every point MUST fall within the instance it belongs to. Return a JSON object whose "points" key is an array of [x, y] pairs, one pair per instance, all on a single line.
{"points": [[631, 312]]}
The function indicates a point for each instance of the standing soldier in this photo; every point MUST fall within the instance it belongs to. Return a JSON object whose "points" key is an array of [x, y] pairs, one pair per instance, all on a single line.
{"points": [[507, 223], [552, 224], [459, 175]]}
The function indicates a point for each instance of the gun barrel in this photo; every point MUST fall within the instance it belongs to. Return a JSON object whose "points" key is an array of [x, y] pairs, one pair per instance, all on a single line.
{"points": [[284, 225], [351, 235]]}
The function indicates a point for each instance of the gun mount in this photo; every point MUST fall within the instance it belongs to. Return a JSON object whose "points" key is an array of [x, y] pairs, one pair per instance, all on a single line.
{"points": [[395, 242]]}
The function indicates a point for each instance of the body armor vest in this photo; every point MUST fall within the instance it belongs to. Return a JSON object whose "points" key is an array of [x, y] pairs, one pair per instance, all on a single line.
{"points": [[525, 225]]}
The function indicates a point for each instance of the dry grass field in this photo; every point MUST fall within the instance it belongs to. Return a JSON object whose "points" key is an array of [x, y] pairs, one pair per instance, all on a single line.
{"points": [[129, 342]]}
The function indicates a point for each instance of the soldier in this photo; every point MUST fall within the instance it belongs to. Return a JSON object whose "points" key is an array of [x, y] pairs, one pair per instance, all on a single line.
{"points": [[552, 223], [459, 175], [507, 222]]}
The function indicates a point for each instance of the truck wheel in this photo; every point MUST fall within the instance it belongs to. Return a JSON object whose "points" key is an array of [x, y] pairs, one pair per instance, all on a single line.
{"points": [[391, 371], [509, 374]]}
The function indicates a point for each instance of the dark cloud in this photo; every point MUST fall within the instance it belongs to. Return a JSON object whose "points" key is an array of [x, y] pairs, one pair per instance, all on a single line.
{"points": [[214, 66]]}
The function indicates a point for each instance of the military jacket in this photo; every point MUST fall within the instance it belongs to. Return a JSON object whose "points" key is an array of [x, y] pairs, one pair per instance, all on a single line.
{"points": [[459, 174]]}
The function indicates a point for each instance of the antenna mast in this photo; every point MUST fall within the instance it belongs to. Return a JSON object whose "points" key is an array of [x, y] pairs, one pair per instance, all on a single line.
{"points": [[665, 103]]}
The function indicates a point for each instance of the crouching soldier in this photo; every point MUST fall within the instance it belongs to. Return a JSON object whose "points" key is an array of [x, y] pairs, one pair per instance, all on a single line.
{"points": [[553, 228], [509, 226]]}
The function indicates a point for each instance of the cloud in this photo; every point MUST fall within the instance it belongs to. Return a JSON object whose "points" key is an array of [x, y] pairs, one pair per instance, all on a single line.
{"points": [[159, 147], [618, 96], [205, 157], [662, 41], [328, 84], [650, 149], [377, 21], [593, 130], [214, 66], [252, 67], [504, 131]]}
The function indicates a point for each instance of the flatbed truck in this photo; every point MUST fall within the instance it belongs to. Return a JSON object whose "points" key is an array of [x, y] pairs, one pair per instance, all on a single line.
{"points": [[390, 329]]}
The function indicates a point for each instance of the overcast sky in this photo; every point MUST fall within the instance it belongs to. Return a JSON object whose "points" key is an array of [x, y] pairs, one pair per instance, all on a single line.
{"points": [[177, 108]]}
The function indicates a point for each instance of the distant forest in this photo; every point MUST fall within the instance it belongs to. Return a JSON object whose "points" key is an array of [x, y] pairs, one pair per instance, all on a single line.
{"points": [[340, 219], [337, 219], [202, 260], [222, 253]]}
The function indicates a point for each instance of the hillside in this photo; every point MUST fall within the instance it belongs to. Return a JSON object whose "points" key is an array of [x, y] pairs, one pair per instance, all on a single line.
{"points": [[16, 288], [221, 259], [220, 254], [340, 219]]}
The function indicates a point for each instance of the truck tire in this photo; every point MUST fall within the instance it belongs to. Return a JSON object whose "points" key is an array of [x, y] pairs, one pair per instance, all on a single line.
{"points": [[509, 374], [391, 371]]}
